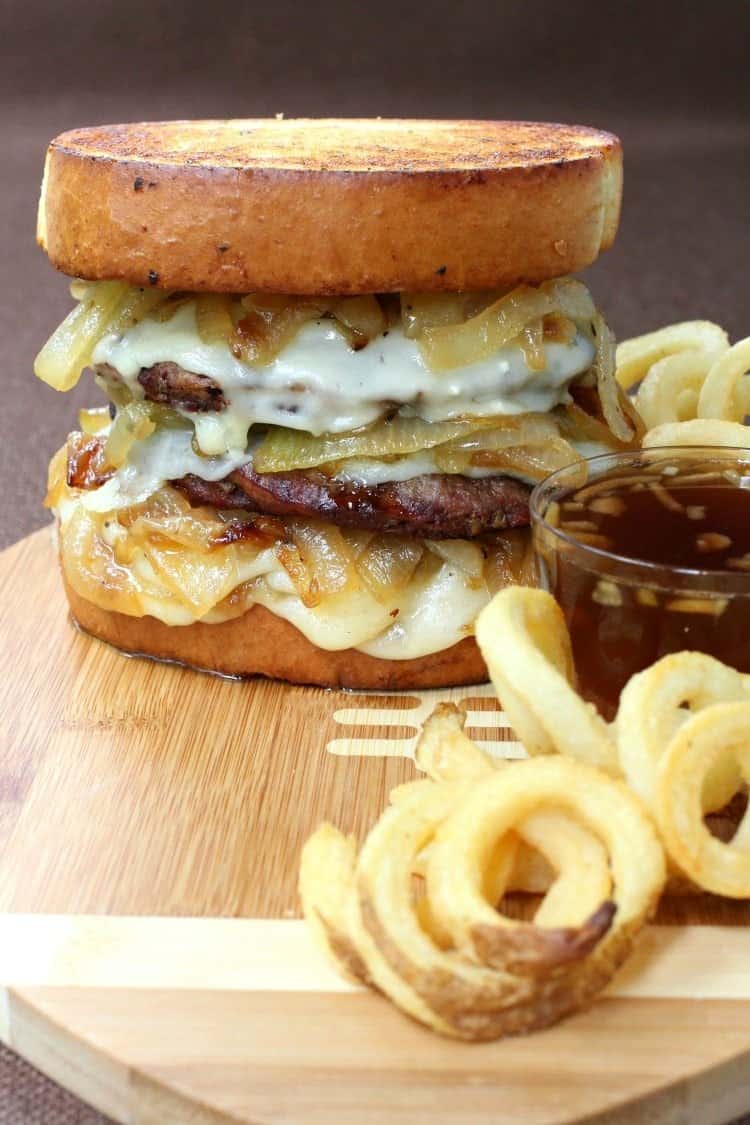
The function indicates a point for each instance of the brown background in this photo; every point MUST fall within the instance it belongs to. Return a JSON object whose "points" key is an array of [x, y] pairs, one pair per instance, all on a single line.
{"points": [[670, 78]]}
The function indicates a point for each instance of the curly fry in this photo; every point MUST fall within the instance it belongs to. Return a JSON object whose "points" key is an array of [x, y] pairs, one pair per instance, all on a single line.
{"points": [[635, 357], [723, 868], [462, 845], [372, 922], [468, 994], [724, 394], [442, 989], [657, 702], [518, 862], [578, 860], [326, 876], [444, 752], [671, 388], [694, 389], [525, 644], [699, 431]]}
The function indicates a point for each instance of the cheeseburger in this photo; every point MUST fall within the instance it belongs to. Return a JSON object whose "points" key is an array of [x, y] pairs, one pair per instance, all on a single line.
{"points": [[338, 354]]}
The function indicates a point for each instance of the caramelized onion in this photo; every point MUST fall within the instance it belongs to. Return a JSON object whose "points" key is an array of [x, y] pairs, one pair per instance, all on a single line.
{"points": [[269, 322], [531, 342], [558, 329], [630, 410], [168, 514], [173, 303], [358, 540], [431, 310], [420, 311], [361, 318], [283, 450], [79, 288], [606, 381], [304, 581], [69, 348], [576, 424], [57, 482], [213, 318], [458, 345], [532, 462], [517, 430], [457, 445], [262, 531], [325, 553], [510, 561], [387, 564], [91, 566], [132, 423], [107, 306], [87, 465], [93, 421], [463, 555], [195, 579], [259, 325]]}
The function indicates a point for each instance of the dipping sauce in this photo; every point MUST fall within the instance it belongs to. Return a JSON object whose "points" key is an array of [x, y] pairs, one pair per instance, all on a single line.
{"points": [[647, 553]]}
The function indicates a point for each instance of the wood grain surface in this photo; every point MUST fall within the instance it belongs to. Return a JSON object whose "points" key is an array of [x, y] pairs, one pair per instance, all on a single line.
{"points": [[151, 954]]}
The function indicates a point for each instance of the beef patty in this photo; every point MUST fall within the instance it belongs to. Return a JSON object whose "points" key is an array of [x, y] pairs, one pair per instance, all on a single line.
{"points": [[171, 385], [438, 506]]}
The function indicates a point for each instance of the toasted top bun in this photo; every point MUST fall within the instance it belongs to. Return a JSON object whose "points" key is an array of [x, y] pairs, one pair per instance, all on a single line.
{"points": [[329, 206]]}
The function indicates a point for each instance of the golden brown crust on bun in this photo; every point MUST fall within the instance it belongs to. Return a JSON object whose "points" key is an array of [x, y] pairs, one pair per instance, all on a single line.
{"points": [[329, 206], [260, 644]]}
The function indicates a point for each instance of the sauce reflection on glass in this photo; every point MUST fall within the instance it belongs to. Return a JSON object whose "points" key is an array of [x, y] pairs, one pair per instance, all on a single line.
{"points": [[647, 553]]}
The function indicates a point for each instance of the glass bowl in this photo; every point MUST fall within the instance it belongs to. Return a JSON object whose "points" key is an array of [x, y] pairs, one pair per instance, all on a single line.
{"points": [[650, 569]]}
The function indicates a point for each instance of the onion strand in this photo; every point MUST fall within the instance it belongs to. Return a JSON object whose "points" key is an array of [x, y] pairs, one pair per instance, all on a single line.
{"points": [[445, 347]]}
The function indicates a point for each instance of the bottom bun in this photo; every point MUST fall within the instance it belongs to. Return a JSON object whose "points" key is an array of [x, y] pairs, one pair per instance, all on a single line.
{"points": [[260, 644]]}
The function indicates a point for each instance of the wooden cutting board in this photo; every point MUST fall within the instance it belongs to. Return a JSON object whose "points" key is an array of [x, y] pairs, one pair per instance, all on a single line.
{"points": [[152, 958]]}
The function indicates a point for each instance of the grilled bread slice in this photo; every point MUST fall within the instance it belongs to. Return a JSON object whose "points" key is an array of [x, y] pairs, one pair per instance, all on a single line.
{"points": [[329, 206]]}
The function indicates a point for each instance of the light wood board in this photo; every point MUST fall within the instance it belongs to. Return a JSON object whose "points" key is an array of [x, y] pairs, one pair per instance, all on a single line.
{"points": [[151, 953]]}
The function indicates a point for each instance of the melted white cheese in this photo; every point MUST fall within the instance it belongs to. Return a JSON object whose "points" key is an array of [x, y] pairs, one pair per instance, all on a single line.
{"points": [[370, 472], [164, 455], [319, 384], [431, 619], [426, 617]]}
